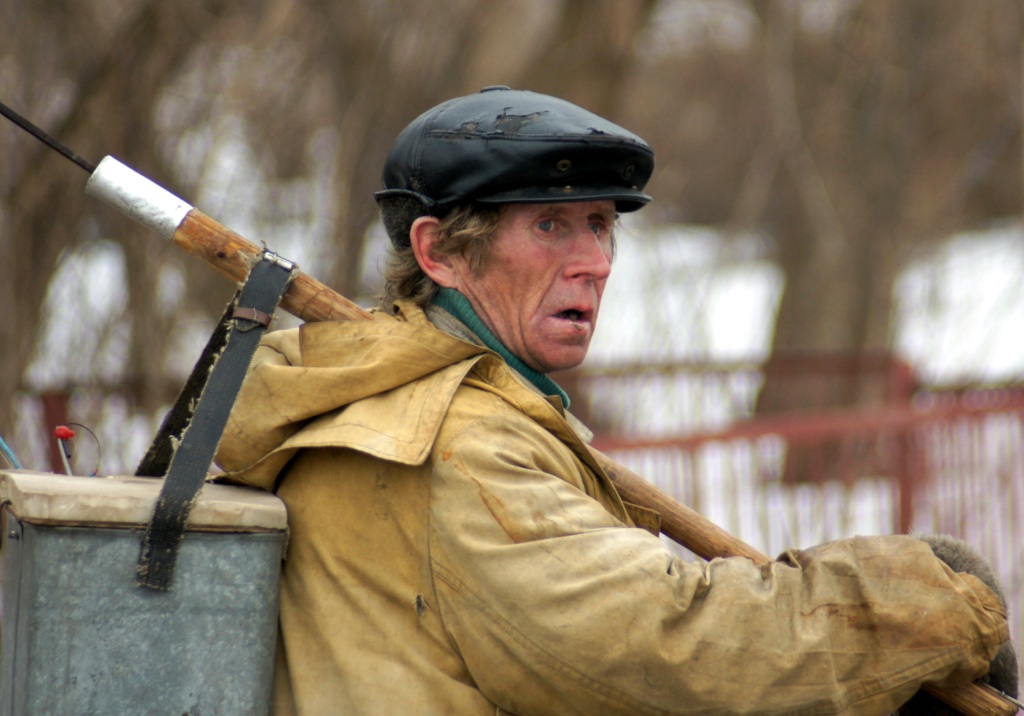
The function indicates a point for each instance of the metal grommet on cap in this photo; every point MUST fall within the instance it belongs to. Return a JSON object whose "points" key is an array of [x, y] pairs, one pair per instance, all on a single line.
{"points": [[563, 165], [628, 171]]}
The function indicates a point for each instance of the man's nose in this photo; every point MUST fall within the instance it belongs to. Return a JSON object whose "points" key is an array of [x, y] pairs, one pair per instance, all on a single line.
{"points": [[591, 258]]}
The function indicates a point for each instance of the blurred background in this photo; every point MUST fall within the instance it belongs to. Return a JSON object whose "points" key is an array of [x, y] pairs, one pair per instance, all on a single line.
{"points": [[816, 330]]}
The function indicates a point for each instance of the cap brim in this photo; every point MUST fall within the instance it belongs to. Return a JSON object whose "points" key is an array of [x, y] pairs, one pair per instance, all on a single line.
{"points": [[626, 200]]}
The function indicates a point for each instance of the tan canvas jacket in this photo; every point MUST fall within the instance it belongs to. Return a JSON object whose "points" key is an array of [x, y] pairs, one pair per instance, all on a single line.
{"points": [[453, 550]]}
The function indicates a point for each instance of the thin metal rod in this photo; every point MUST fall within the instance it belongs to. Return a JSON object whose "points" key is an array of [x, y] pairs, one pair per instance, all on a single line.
{"points": [[46, 138], [9, 454]]}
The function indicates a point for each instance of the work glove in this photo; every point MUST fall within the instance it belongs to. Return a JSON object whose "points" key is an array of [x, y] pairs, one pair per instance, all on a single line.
{"points": [[1003, 673]]}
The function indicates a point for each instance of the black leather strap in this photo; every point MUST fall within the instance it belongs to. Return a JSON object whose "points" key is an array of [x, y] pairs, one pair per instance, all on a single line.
{"points": [[216, 378]]}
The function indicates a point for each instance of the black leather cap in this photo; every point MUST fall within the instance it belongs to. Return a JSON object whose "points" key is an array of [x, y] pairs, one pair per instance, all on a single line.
{"points": [[503, 146]]}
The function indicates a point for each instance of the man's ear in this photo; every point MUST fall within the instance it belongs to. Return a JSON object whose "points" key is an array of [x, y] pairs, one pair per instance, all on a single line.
{"points": [[423, 236]]}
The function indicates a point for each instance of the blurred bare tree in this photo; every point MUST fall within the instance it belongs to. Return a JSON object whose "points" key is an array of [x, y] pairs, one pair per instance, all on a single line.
{"points": [[848, 135], [844, 133], [277, 114]]}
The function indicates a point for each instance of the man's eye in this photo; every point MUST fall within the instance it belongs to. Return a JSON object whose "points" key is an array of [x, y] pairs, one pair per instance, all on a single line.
{"points": [[597, 228], [546, 225]]}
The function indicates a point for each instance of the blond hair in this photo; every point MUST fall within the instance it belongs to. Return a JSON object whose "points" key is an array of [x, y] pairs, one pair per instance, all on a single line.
{"points": [[466, 230]]}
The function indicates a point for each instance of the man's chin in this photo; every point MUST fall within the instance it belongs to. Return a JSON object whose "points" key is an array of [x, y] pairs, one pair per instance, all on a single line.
{"points": [[563, 360]]}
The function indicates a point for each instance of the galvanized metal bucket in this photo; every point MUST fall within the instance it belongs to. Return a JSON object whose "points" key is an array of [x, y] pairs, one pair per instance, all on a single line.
{"points": [[77, 636]]}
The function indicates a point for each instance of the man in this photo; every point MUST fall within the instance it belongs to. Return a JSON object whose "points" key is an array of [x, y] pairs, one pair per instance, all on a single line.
{"points": [[455, 549]]}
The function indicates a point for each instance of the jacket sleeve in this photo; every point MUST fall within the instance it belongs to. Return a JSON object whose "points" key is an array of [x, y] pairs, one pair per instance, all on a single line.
{"points": [[558, 608]]}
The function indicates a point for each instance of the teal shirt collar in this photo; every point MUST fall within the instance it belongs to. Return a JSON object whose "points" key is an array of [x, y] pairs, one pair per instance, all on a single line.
{"points": [[459, 306]]}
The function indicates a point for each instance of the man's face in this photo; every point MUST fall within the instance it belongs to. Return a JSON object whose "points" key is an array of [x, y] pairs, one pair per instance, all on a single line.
{"points": [[540, 287]]}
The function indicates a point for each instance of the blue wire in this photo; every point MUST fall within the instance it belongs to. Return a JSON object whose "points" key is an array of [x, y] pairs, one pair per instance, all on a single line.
{"points": [[9, 454]]}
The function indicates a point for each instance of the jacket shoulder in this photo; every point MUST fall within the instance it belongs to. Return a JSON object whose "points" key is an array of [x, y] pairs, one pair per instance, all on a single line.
{"points": [[379, 386]]}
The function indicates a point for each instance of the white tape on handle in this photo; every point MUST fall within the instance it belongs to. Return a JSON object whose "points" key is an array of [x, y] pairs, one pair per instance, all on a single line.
{"points": [[137, 197]]}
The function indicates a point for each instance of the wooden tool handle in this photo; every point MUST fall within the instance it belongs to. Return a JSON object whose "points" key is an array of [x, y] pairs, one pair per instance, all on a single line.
{"points": [[681, 523], [232, 256]]}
